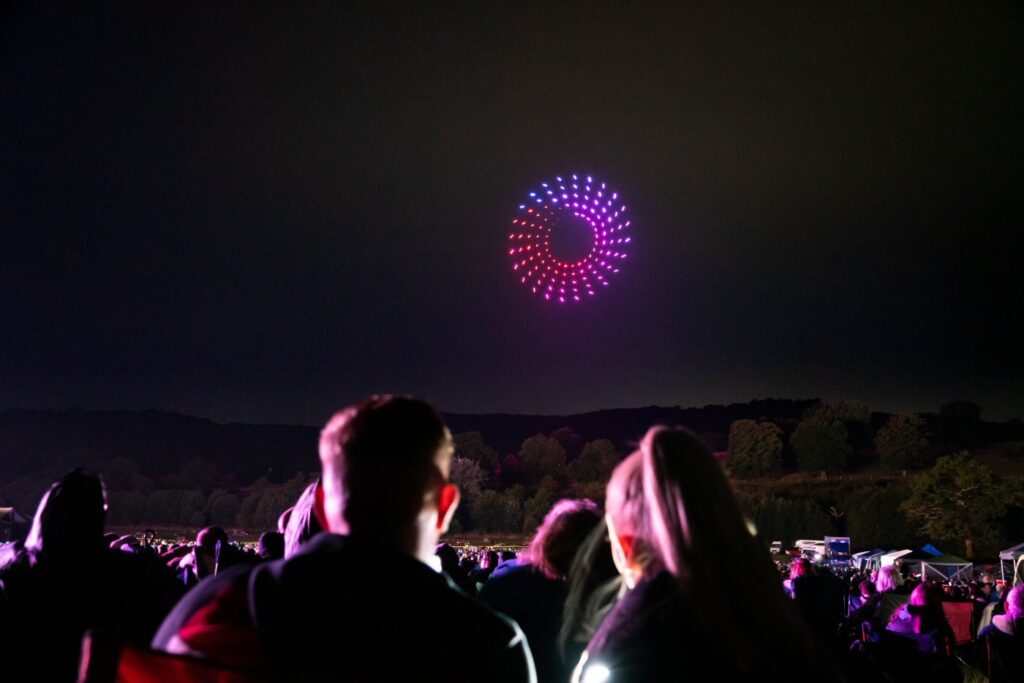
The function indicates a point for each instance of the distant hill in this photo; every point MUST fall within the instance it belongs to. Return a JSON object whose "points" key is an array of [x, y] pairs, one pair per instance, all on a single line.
{"points": [[51, 441], [48, 442], [160, 442], [625, 426]]}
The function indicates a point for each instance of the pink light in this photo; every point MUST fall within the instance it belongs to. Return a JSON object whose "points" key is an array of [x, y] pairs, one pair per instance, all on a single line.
{"points": [[549, 275]]}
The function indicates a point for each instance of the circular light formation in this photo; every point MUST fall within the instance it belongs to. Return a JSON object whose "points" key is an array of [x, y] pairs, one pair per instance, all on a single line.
{"points": [[567, 198]]}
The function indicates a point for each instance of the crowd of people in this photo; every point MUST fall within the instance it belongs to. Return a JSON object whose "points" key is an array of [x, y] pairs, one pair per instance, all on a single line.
{"points": [[666, 580]]}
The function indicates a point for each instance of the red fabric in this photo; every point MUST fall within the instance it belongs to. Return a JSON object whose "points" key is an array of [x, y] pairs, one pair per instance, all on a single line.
{"points": [[960, 615], [104, 660], [144, 666], [223, 631]]}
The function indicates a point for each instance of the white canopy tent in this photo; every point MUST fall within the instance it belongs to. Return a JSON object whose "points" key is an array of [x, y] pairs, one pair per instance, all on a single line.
{"points": [[948, 568], [893, 555], [866, 559], [1009, 559]]}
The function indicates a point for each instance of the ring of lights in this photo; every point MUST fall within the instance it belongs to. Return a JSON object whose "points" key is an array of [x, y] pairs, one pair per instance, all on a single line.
{"points": [[578, 197]]}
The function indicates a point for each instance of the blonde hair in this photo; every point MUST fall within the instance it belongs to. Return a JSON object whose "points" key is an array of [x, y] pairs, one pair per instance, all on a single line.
{"points": [[886, 579], [673, 498]]}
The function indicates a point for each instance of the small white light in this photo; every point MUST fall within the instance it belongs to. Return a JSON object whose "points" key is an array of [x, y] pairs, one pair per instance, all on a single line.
{"points": [[596, 673]]}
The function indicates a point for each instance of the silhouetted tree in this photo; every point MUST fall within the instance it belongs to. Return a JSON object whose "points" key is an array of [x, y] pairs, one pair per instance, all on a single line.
{"points": [[539, 504], [470, 445], [500, 511], [595, 462], [755, 449], [784, 519], [900, 442], [875, 518], [469, 477], [959, 499], [821, 444], [541, 455], [222, 508], [571, 442]]}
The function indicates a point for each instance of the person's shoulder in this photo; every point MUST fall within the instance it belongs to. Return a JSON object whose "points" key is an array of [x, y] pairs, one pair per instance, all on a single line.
{"points": [[654, 610], [471, 611], [197, 598]]}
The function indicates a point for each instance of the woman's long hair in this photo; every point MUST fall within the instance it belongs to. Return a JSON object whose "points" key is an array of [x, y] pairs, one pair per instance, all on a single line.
{"points": [[887, 579], [673, 498]]}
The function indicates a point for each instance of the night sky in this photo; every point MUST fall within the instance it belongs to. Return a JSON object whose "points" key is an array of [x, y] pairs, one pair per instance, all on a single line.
{"points": [[261, 212]]}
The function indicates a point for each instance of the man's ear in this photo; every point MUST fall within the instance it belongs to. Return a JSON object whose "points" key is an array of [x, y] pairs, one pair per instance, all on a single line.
{"points": [[447, 503], [628, 544], [319, 512]]}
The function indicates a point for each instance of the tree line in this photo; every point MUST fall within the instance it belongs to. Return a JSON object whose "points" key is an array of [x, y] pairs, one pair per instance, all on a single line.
{"points": [[924, 484]]}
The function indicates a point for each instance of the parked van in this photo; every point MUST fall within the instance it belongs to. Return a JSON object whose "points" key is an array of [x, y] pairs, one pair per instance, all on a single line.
{"points": [[812, 549]]}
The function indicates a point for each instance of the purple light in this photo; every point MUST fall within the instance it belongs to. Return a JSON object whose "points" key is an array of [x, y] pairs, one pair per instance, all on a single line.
{"points": [[549, 276]]}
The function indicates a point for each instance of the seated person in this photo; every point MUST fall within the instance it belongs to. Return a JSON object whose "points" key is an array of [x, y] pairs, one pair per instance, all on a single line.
{"points": [[1001, 643], [364, 590], [923, 620]]}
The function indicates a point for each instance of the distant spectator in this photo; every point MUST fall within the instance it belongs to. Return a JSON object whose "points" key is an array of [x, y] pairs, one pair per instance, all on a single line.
{"points": [[893, 592], [532, 589], [799, 568], [924, 619], [305, 520], [888, 579], [868, 606], [212, 553], [271, 546], [488, 563], [450, 566]]}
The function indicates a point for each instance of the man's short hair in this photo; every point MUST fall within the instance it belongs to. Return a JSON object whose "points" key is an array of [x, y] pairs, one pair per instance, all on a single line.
{"points": [[380, 456]]}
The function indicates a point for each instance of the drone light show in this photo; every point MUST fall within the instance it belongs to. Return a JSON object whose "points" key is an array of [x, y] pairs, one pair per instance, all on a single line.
{"points": [[548, 209]]}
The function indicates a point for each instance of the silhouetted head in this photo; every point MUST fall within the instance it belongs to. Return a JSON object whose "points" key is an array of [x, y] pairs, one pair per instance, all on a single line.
{"points": [[925, 608], [385, 469], [448, 555], [489, 559], [1015, 603], [560, 536], [70, 516], [207, 538], [801, 566], [271, 545]]}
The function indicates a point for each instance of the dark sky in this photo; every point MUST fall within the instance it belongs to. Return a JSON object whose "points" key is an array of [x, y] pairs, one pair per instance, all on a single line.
{"points": [[262, 211]]}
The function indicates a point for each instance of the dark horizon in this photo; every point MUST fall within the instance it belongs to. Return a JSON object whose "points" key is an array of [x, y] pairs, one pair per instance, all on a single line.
{"points": [[456, 415], [262, 212]]}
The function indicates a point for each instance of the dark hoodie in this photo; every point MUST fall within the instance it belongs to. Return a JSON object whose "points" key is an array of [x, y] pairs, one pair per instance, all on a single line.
{"points": [[350, 610], [63, 580]]}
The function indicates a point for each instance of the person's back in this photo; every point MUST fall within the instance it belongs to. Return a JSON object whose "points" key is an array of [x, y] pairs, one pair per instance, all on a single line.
{"points": [[532, 590], [1001, 643], [362, 604], [675, 529], [64, 581]]}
